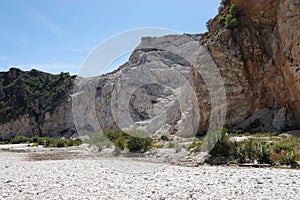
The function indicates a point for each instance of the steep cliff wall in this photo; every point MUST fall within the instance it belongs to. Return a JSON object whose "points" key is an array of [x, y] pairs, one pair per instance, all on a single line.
{"points": [[261, 55], [169, 85], [35, 103]]}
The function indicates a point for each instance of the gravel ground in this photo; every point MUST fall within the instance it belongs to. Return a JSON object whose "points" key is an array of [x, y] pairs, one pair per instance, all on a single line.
{"points": [[105, 178]]}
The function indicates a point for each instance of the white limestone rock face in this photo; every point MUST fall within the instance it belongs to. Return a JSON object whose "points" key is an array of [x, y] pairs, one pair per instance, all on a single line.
{"points": [[152, 92]]}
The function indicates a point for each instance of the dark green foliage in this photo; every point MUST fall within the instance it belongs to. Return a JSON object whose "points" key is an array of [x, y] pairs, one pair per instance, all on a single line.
{"points": [[55, 142], [46, 141], [234, 10], [134, 141], [263, 153], [19, 139], [230, 20], [207, 24], [280, 147], [196, 145], [250, 150], [223, 145], [164, 138], [225, 2], [33, 93], [137, 144], [117, 137], [289, 159]]}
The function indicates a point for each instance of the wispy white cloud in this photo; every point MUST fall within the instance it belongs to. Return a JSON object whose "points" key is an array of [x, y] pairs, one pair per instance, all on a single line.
{"points": [[40, 18]]}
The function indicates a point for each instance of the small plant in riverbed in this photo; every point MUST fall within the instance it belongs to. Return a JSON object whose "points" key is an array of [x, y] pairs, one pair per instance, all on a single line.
{"points": [[134, 140], [289, 159], [196, 145], [46, 141], [263, 153], [280, 147], [19, 139], [222, 146]]}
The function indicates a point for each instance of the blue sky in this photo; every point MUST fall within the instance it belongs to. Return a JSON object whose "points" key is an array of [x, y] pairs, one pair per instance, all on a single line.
{"points": [[58, 35]]}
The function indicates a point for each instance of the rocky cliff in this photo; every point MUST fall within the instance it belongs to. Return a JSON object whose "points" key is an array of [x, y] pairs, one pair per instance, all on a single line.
{"points": [[35, 103], [246, 69], [262, 56]]}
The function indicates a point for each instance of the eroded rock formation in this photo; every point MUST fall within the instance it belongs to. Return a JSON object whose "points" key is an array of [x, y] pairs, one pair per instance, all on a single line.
{"points": [[181, 84]]}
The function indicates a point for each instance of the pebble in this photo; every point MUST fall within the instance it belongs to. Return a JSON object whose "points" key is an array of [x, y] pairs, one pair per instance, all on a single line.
{"points": [[108, 179]]}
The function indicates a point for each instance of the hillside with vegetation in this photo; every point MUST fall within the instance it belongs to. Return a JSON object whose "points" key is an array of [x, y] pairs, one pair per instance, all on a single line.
{"points": [[33, 94]]}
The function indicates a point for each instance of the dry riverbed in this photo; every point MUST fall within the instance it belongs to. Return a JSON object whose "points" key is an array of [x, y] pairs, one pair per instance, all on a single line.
{"points": [[73, 173]]}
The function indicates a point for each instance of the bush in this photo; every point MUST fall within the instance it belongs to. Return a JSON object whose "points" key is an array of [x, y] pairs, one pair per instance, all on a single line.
{"points": [[34, 140], [230, 20], [288, 159], [225, 2], [137, 144], [250, 150], [55, 142], [46, 141], [19, 139], [263, 153], [134, 141], [234, 10], [240, 152], [280, 147], [196, 145], [220, 142], [114, 134]]}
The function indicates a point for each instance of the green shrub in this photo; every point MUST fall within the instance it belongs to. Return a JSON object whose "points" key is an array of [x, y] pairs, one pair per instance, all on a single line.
{"points": [[196, 145], [222, 145], [58, 143], [234, 10], [231, 21], [114, 134], [263, 153], [77, 142], [35, 144], [34, 139], [120, 142], [240, 152], [134, 141], [280, 147], [289, 159], [46, 141], [250, 150], [225, 2], [137, 144], [19, 139]]}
